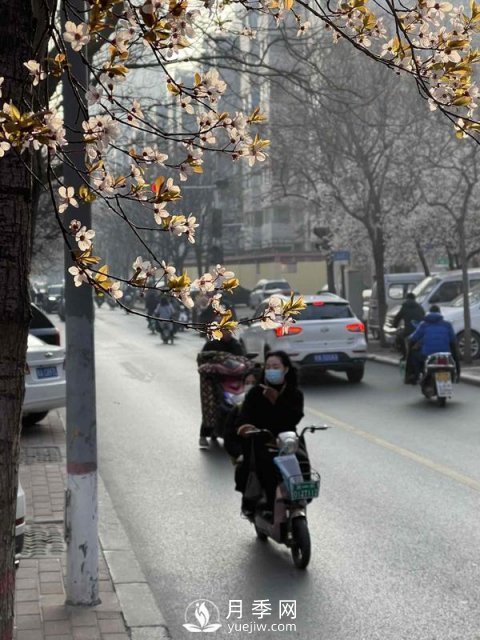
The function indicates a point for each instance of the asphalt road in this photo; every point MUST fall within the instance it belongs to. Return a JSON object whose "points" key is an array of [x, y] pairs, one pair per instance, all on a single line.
{"points": [[395, 533]]}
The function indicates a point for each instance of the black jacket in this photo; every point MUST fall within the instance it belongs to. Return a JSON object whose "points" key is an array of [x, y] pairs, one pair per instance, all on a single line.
{"points": [[284, 415], [232, 346], [410, 312]]}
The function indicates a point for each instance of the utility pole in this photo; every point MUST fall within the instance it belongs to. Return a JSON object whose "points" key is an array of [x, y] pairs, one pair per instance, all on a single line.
{"points": [[81, 508], [325, 246]]}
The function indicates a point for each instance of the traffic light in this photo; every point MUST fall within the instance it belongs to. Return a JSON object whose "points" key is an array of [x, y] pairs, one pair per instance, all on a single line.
{"points": [[326, 238]]}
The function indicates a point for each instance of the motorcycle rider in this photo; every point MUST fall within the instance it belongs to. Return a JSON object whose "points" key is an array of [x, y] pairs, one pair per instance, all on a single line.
{"points": [[411, 313], [164, 311], [433, 335], [227, 343], [151, 301], [276, 404]]}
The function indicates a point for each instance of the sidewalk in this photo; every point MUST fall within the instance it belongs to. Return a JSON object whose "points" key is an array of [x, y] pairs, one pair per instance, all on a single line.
{"points": [[127, 610], [387, 355]]}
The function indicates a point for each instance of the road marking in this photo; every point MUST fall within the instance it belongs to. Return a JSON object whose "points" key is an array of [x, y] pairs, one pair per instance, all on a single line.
{"points": [[405, 453]]}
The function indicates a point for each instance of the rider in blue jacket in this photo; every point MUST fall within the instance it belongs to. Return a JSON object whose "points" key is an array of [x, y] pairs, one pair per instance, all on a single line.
{"points": [[433, 335]]}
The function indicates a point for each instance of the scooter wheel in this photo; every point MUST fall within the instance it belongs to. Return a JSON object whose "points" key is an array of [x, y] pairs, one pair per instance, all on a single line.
{"points": [[442, 402], [301, 547]]}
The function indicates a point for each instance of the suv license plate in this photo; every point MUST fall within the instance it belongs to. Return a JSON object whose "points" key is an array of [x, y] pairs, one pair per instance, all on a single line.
{"points": [[46, 372], [326, 357]]}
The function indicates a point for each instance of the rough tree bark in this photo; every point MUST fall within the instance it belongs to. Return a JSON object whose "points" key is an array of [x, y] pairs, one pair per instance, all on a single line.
{"points": [[15, 244]]}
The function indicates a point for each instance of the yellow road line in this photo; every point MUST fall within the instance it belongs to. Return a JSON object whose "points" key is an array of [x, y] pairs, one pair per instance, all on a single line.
{"points": [[405, 453]]}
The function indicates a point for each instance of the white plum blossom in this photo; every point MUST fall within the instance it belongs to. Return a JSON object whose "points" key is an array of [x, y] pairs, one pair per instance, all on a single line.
{"points": [[100, 130], [94, 94], [211, 86], [160, 212], [77, 35], [66, 198], [84, 238], [186, 104], [54, 122], [36, 71], [137, 175], [190, 230], [4, 147], [135, 112], [216, 304], [143, 268], [115, 291], [149, 154], [205, 284], [104, 183], [303, 27], [79, 275], [169, 270]]}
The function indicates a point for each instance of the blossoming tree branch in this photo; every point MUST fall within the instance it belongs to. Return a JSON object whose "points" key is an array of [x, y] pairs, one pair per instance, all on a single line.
{"points": [[434, 42]]}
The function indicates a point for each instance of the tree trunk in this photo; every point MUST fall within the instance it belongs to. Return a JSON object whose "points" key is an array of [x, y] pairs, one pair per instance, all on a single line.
{"points": [[15, 246], [378, 248], [467, 328], [422, 258]]}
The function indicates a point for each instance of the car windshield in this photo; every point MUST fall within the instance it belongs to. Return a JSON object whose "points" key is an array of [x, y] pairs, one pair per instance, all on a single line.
{"points": [[55, 289], [422, 290], [473, 298], [325, 311], [277, 285]]}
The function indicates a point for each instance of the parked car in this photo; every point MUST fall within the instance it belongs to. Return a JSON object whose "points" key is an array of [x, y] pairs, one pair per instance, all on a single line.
{"points": [[54, 294], [239, 295], [42, 327], [45, 384], [326, 336], [397, 285], [441, 289], [265, 288], [444, 287], [454, 313], [19, 523]]}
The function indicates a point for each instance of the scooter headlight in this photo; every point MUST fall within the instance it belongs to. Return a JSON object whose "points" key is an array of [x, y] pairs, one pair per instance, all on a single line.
{"points": [[287, 442]]}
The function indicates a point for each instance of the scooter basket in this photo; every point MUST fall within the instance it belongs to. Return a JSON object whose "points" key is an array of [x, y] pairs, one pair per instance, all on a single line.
{"points": [[300, 489]]}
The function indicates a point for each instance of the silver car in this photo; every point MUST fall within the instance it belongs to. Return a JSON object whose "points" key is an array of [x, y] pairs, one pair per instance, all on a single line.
{"points": [[326, 336]]}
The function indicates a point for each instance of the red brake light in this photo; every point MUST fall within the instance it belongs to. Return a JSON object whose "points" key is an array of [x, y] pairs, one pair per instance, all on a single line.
{"points": [[289, 331], [19, 521], [357, 327], [318, 303], [56, 339]]}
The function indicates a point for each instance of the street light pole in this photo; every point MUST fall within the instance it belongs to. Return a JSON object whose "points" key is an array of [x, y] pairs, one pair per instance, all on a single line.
{"points": [[81, 512]]}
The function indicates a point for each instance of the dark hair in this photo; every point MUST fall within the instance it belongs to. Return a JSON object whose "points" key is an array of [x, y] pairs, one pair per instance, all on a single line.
{"points": [[434, 308], [291, 377], [410, 296]]}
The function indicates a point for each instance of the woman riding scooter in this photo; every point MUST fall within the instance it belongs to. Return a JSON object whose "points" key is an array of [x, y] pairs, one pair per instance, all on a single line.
{"points": [[275, 404]]}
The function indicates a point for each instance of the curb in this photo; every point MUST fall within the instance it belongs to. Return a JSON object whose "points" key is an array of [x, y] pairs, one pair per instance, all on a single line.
{"points": [[464, 377], [140, 610]]}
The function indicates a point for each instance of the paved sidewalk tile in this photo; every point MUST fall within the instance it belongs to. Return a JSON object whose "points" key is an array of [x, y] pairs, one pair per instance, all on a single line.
{"points": [[40, 609]]}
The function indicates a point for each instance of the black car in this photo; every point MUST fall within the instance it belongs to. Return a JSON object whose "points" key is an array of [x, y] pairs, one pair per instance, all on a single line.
{"points": [[42, 327], [53, 297]]}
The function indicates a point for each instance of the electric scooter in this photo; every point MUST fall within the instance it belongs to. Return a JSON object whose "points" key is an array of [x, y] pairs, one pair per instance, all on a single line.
{"points": [[296, 487]]}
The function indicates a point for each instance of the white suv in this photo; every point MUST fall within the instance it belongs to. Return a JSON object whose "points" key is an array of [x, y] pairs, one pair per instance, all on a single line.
{"points": [[267, 288], [326, 335]]}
